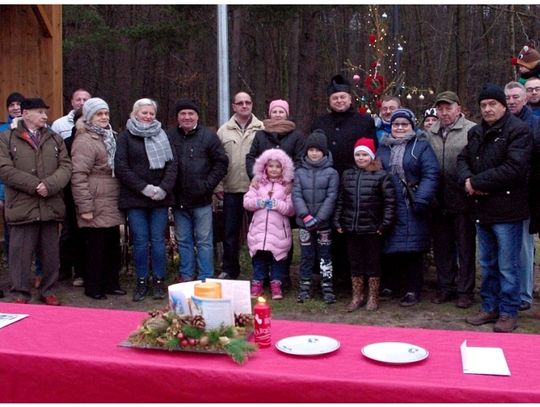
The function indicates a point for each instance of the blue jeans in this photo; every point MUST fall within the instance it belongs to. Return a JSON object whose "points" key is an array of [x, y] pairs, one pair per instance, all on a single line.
{"points": [[499, 246], [233, 214], [264, 262], [148, 226], [314, 246], [526, 258], [193, 232]]}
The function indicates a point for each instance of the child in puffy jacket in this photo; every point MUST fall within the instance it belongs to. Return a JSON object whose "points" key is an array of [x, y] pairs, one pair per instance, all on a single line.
{"points": [[315, 191], [365, 210], [269, 236]]}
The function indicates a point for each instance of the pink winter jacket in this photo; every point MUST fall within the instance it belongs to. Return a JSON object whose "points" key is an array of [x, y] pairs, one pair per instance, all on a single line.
{"points": [[270, 229]]}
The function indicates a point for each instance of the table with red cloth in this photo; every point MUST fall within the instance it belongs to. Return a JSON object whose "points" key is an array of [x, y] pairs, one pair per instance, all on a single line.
{"points": [[68, 354]]}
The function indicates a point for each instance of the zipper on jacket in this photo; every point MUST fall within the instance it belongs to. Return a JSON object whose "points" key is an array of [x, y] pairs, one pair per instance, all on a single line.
{"points": [[266, 220], [357, 201]]}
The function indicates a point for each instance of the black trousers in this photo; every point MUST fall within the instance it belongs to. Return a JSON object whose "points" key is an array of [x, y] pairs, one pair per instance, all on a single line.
{"points": [[103, 259], [71, 246], [454, 252], [364, 254]]}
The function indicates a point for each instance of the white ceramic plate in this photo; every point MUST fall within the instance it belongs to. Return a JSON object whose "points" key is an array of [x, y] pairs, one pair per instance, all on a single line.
{"points": [[307, 345], [394, 352]]}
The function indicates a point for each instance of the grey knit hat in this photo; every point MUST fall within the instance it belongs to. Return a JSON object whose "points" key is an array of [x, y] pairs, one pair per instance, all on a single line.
{"points": [[91, 106]]}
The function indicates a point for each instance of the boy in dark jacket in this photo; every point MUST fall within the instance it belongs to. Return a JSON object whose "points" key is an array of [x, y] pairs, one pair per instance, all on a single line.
{"points": [[365, 210], [314, 196]]}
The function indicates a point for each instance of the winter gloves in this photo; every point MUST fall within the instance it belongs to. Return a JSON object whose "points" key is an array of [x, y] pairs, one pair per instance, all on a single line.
{"points": [[153, 192], [311, 223], [266, 203]]}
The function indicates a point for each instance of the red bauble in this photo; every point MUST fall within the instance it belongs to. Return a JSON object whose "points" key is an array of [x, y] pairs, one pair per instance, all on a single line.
{"points": [[378, 104], [514, 61], [372, 38], [374, 84], [362, 109]]}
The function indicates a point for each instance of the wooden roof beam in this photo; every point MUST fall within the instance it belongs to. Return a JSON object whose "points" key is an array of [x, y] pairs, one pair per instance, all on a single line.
{"points": [[43, 20]]}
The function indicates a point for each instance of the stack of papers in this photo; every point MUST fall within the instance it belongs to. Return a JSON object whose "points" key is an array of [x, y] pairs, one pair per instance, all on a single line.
{"points": [[478, 360]]}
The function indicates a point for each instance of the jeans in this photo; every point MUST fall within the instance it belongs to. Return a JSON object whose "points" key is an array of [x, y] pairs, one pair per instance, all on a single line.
{"points": [[499, 246], [314, 246], [526, 259], [264, 262], [454, 252], [233, 215], [148, 226], [193, 232]]}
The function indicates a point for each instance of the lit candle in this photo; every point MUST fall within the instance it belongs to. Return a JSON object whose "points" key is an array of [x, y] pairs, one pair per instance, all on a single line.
{"points": [[262, 313], [208, 290]]}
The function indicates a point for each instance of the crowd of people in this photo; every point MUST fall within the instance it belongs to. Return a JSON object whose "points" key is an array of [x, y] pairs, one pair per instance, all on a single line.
{"points": [[369, 195]]}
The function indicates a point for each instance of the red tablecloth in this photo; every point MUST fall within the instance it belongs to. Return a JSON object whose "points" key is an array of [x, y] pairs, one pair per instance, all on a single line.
{"points": [[64, 354]]}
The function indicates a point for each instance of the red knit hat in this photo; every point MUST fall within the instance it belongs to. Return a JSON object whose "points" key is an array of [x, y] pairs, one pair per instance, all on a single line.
{"points": [[367, 145]]}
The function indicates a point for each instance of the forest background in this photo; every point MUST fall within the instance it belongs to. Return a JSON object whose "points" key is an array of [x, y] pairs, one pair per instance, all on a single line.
{"points": [[124, 52]]}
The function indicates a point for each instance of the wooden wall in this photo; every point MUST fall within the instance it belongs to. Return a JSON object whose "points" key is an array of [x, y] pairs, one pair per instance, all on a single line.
{"points": [[31, 54]]}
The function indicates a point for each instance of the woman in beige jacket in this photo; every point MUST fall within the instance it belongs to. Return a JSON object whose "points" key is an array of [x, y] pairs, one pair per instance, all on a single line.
{"points": [[95, 192]]}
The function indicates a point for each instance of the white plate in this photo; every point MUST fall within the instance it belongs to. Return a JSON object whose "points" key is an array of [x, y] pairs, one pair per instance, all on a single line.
{"points": [[394, 352], [307, 345]]}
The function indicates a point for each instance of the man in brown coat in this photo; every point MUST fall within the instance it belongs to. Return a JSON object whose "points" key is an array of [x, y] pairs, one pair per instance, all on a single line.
{"points": [[35, 167]]}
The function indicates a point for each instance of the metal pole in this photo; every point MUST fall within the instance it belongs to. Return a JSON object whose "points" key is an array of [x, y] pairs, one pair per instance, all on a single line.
{"points": [[223, 65]]}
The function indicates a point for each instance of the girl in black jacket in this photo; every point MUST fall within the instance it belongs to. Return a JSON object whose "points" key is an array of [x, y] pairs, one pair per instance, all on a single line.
{"points": [[365, 210]]}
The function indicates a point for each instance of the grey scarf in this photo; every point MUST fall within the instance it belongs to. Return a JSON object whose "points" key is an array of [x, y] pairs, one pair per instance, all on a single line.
{"points": [[109, 140], [156, 142], [397, 152]]}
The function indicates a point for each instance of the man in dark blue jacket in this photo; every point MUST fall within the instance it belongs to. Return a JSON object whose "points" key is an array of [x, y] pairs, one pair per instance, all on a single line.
{"points": [[493, 169], [516, 97], [202, 164]]}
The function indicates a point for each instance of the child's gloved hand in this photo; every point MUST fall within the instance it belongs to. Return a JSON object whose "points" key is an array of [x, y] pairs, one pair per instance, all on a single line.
{"points": [[310, 222], [270, 204], [261, 203]]}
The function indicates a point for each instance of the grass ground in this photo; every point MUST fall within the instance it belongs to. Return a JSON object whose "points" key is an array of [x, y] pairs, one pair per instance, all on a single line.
{"points": [[423, 315]]}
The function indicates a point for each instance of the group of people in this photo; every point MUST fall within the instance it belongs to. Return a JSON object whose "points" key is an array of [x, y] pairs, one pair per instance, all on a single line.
{"points": [[369, 196]]}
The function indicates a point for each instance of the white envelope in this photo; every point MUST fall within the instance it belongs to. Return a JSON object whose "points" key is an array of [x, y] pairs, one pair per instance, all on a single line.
{"points": [[483, 360]]}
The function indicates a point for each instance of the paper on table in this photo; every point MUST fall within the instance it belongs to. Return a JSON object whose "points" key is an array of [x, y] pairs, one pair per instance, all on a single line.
{"points": [[239, 291], [483, 360], [6, 319]]}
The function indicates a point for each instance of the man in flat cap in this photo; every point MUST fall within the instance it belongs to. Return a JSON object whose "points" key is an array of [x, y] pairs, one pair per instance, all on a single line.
{"points": [[454, 233], [35, 167]]}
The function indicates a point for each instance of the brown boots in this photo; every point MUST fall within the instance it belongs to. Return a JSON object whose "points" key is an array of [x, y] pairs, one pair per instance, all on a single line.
{"points": [[373, 294], [358, 296]]}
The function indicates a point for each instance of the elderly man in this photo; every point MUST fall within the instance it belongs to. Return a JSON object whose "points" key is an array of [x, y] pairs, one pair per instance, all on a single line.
{"points": [[516, 98], [454, 234], [388, 105], [236, 136], [35, 167], [65, 124], [202, 164], [342, 126], [493, 169]]}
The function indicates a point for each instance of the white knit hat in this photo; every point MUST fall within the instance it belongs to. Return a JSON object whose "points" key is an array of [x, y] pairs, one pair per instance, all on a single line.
{"points": [[91, 106]]}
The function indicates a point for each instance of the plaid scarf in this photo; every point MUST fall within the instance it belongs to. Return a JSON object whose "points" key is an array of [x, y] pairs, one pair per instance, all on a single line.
{"points": [[108, 139], [156, 142]]}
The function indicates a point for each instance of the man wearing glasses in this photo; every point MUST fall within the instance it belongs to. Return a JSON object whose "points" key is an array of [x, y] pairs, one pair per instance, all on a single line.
{"points": [[236, 136], [532, 86]]}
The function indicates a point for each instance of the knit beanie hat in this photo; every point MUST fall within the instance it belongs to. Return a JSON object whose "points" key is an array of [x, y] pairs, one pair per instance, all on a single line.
{"points": [[528, 56], [405, 114], [279, 103], [14, 97], [431, 112], [187, 103], [491, 91], [91, 106], [317, 140], [338, 84], [367, 145]]}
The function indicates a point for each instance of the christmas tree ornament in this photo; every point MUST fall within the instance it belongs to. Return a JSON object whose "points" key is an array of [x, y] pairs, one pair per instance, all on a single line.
{"points": [[372, 38], [356, 77]]}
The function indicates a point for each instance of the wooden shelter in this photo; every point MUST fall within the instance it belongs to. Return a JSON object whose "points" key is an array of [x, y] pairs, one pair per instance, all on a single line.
{"points": [[31, 54]]}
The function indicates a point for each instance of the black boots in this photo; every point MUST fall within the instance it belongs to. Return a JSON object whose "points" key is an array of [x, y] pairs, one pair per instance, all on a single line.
{"points": [[141, 290]]}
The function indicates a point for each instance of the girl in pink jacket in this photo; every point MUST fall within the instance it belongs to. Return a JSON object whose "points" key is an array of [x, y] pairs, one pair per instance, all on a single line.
{"points": [[269, 236]]}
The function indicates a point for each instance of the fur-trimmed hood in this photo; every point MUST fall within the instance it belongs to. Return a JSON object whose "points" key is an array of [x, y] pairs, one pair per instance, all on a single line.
{"points": [[259, 168]]}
